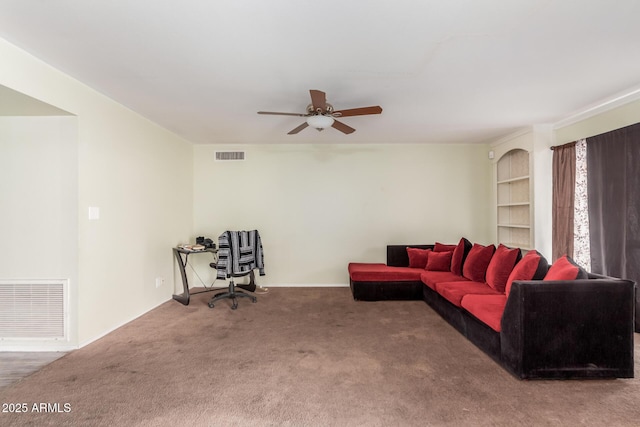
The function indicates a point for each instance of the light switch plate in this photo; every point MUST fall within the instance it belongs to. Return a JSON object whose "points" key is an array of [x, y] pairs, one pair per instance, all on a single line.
{"points": [[94, 212]]}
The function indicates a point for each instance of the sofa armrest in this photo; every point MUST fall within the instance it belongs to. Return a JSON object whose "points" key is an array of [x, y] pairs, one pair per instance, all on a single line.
{"points": [[558, 329], [397, 254]]}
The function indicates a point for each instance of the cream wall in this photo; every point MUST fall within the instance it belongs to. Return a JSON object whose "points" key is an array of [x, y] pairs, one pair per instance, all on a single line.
{"points": [[39, 197], [318, 207], [138, 174], [592, 125]]}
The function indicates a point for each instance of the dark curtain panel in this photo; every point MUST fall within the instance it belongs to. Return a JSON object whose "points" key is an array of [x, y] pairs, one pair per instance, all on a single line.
{"points": [[564, 183], [613, 175]]}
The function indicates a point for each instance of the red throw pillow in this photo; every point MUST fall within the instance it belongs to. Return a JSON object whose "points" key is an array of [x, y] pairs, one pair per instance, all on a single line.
{"points": [[532, 266], [565, 269], [459, 255], [475, 267], [418, 257], [500, 266], [439, 261], [441, 247]]}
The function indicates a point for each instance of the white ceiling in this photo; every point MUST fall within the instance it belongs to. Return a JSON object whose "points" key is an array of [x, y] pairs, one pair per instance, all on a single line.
{"points": [[444, 71]]}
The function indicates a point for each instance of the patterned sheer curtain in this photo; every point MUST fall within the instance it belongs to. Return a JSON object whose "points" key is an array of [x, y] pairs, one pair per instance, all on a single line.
{"points": [[571, 203], [581, 246]]}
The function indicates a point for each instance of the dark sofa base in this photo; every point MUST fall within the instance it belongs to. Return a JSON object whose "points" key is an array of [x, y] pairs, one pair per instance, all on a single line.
{"points": [[377, 291], [485, 338], [528, 364], [573, 329]]}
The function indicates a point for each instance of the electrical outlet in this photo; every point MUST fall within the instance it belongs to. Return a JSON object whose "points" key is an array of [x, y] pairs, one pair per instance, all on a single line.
{"points": [[159, 282]]}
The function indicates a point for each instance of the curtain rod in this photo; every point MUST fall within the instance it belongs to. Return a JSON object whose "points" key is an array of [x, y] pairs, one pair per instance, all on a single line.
{"points": [[569, 144]]}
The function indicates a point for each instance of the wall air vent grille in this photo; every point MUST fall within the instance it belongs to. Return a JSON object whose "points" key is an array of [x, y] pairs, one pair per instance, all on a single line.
{"points": [[33, 309], [229, 155]]}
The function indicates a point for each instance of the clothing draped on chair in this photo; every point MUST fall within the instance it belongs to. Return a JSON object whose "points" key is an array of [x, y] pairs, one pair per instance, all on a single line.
{"points": [[239, 252]]}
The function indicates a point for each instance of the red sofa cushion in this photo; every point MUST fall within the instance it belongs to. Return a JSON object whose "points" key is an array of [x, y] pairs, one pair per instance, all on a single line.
{"points": [[441, 247], [455, 291], [459, 254], [431, 278], [439, 261], [364, 272], [533, 266], [486, 308], [565, 268], [418, 257], [475, 267], [500, 266]]}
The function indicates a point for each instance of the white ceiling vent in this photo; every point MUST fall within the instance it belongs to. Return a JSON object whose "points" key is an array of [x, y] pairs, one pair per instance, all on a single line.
{"points": [[229, 155], [33, 309]]}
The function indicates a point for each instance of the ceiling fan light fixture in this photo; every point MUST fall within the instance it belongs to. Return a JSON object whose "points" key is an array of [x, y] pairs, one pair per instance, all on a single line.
{"points": [[320, 121]]}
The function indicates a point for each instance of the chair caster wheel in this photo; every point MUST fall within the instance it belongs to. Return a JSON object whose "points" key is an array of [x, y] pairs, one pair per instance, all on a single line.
{"points": [[254, 300], [211, 305], [233, 307]]}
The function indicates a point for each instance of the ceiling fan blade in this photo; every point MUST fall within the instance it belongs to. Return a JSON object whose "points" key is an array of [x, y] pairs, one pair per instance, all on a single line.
{"points": [[282, 114], [342, 127], [358, 111], [298, 129], [319, 100]]}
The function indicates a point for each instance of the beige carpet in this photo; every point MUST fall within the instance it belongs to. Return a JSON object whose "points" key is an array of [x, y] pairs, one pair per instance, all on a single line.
{"points": [[303, 357]]}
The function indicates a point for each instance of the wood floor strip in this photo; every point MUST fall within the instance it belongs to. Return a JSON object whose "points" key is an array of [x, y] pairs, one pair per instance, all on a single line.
{"points": [[17, 365]]}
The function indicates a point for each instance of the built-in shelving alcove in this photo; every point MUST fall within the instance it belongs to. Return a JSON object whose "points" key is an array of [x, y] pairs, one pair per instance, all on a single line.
{"points": [[514, 199]]}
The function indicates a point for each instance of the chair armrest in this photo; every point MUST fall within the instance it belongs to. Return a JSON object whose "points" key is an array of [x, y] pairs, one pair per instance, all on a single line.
{"points": [[397, 254], [569, 328]]}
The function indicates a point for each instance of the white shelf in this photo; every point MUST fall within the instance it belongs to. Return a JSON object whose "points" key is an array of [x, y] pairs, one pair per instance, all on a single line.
{"points": [[514, 226], [516, 245], [507, 205], [515, 179]]}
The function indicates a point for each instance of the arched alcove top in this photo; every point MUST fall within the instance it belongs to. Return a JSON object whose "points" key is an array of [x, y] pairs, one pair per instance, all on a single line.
{"points": [[513, 164]]}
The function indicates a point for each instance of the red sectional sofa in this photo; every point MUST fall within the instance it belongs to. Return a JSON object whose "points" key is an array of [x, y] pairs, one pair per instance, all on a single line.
{"points": [[536, 320]]}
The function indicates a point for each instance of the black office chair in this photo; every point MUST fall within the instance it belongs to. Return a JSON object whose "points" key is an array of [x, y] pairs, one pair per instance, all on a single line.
{"points": [[232, 292]]}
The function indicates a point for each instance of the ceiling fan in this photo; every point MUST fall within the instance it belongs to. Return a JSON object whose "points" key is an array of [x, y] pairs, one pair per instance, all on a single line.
{"points": [[320, 114]]}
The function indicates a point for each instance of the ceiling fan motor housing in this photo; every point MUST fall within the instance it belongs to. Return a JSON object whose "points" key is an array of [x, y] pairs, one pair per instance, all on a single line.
{"points": [[328, 109]]}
